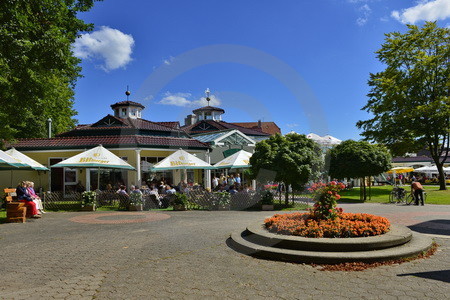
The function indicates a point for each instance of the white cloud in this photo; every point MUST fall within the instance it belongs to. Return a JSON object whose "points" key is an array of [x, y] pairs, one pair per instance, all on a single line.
{"points": [[292, 125], [169, 60], [365, 11], [424, 11], [182, 99], [108, 45]]}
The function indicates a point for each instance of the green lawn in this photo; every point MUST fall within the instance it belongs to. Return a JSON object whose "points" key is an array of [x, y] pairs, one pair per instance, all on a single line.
{"points": [[380, 194]]}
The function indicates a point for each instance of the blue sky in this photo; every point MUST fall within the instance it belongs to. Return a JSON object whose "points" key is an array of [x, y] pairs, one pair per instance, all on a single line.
{"points": [[303, 64]]}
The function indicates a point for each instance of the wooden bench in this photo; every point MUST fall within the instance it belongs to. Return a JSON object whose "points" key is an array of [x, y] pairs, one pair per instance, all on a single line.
{"points": [[15, 211]]}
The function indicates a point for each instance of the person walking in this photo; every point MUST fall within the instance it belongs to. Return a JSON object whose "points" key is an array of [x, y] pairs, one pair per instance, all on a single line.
{"points": [[417, 188]]}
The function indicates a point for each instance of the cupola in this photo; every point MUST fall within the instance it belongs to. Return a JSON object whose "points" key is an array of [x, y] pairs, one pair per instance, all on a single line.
{"points": [[127, 109]]}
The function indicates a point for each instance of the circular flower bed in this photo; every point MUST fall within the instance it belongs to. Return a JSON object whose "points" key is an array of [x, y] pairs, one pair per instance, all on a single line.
{"points": [[345, 225]]}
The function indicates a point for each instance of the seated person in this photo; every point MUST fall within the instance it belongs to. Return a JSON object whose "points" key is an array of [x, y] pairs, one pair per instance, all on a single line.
{"points": [[122, 191], [36, 198], [165, 202], [170, 190], [23, 196], [232, 190]]}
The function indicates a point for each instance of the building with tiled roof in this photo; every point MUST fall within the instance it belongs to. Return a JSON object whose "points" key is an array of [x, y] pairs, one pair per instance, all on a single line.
{"points": [[206, 124], [266, 127], [140, 142]]}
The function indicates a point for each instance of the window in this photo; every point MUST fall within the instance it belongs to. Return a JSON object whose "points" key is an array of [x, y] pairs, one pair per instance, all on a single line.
{"points": [[124, 112], [70, 176]]}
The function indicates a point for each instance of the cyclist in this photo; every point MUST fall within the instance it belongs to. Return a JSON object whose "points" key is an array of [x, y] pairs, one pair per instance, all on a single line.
{"points": [[417, 188]]}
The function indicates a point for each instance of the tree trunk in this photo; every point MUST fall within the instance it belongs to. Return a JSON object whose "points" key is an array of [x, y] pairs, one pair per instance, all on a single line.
{"points": [[361, 189], [370, 187], [441, 178], [364, 188], [286, 197]]}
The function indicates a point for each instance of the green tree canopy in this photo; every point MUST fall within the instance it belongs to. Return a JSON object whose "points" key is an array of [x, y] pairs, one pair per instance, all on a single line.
{"points": [[409, 100], [293, 158], [38, 70], [352, 159]]}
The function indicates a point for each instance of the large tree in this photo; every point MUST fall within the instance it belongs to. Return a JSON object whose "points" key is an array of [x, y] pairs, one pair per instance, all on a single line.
{"points": [[409, 100], [38, 69], [352, 159], [294, 160]]}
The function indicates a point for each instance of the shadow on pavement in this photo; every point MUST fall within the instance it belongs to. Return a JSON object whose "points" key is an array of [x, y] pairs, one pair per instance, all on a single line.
{"points": [[443, 276], [439, 226]]}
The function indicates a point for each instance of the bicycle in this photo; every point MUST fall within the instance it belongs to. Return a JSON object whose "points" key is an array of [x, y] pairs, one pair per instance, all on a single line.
{"points": [[412, 198], [397, 195]]}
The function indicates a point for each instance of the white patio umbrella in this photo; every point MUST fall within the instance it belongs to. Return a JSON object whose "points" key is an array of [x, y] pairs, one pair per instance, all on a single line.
{"points": [[7, 162], [97, 157], [28, 163], [22, 158], [183, 160], [240, 159]]}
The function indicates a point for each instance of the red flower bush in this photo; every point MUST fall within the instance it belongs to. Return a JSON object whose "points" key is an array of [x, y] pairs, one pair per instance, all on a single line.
{"points": [[346, 225], [326, 196]]}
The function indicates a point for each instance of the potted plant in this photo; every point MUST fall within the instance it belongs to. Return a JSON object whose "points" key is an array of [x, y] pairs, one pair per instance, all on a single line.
{"points": [[135, 202], [180, 201], [222, 201], [88, 201], [266, 200]]}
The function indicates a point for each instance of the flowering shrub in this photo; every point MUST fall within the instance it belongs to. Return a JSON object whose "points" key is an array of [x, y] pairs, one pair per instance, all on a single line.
{"points": [[222, 198], [88, 197], [347, 225], [136, 198], [326, 196]]}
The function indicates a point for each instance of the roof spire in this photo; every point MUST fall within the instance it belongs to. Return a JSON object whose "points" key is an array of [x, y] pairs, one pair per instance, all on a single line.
{"points": [[128, 93], [207, 92]]}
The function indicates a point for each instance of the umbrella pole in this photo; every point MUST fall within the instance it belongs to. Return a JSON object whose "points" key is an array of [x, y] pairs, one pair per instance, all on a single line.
{"points": [[98, 179], [11, 178]]}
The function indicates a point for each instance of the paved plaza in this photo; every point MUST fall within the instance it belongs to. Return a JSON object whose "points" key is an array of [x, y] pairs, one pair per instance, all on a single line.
{"points": [[184, 255]]}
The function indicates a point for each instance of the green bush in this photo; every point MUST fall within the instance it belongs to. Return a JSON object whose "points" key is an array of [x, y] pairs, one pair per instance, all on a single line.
{"points": [[88, 197], [180, 199], [266, 198]]}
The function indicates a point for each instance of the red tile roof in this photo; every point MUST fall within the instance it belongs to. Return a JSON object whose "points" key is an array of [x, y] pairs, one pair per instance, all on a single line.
{"points": [[126, 103], [80, 142], [208, 108], [400, 159], [126, 123], [171, 124], [221, 125], [266, 127]]}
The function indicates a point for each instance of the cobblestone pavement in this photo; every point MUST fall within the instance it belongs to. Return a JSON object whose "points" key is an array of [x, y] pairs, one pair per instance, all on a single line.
{"points": [[186, 257]]}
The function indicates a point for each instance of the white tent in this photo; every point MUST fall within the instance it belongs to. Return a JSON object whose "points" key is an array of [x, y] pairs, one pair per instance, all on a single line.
{"points": [[430, 169], [240, 159], [97, 157], [22, 158], [181, 159]]}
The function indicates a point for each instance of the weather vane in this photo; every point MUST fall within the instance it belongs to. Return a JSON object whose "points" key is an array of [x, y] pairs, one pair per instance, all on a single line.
{"points": [[207, 92]]}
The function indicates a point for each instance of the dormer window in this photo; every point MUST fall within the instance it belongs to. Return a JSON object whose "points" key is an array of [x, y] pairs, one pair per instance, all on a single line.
{"points": [[124, 112]]}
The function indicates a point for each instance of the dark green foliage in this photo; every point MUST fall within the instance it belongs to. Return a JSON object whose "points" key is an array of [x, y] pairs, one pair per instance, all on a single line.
{"points": [[266, 197], [409, 100], [38, 70], [293, 158], [352, 159]]}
